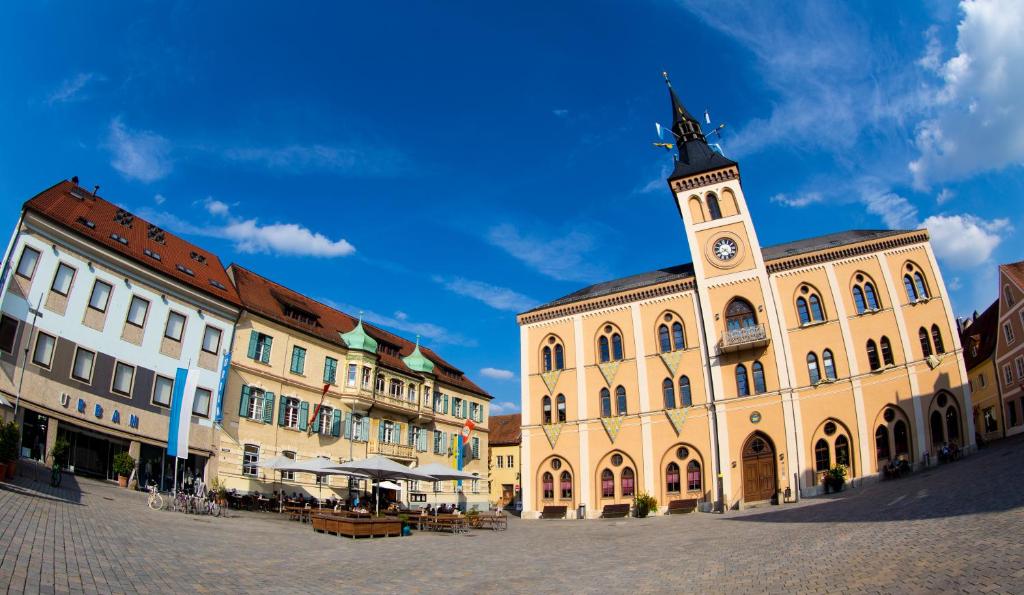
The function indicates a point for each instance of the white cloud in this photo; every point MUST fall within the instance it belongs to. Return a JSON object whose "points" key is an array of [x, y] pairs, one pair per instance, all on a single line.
{"points": [[561, 113], [138, 154], [434, 332], [501, 408], [399, 315], [284, 238], [978, 123], [964, 241], [658, 182], [945, 195], [564, 258], [71, 89], [801, 200], [159, 199], [955, 284], [350, 160], [499, 298], [497, 374], [216, 207], [896, 211]]}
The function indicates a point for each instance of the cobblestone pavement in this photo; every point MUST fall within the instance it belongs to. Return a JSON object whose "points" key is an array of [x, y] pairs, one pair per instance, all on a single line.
{"points": [[959, 527]]}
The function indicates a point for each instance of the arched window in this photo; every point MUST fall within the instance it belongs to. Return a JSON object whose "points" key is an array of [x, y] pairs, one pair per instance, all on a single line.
{"points": [[858, 299], [547, 358], [937, 339], [803, 311], [952, 425], [672, 478], [548, 483], [620, 400], [664, 340], [668, 391], [739, 314], [546, 408], [685, 399], [604, 353], [887, 352], [829, 364], [926, 343], [908, 284], [693, 481], [842, 450], [617, 347], [882, 443], [713, 209], [606, 403], [607, 484], [742, 387], [900, 439], [628, 482], [922, 290], [813, 372], [822, 458], [869, 295], [759, 385], [559, 357], [817, 313], [566, 481], [560, 405], [936, 423], [678, 338], [873, 355]]}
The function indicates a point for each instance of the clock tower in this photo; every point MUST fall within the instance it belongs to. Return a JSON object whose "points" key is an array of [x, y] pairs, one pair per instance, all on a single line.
{"points": [[739, 316]]}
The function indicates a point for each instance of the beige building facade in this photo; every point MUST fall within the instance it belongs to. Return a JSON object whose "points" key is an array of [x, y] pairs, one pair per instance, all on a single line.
{"points": [[744, 376], [978, 337], [1009, 358], [504, 459]]}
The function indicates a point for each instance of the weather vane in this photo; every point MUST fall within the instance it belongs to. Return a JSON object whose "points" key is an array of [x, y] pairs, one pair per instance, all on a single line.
{"points": [[668, 146]]}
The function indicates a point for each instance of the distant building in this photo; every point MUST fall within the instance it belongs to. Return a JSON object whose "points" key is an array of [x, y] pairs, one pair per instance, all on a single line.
{"points": [[979, 337], [505, 437], [1010, 347]]}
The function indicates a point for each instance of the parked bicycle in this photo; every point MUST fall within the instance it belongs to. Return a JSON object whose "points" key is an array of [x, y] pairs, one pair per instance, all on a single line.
{"points": [[156, 501]]}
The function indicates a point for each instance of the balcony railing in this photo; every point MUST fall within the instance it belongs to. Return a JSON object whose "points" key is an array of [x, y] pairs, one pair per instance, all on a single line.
{"points": [[743, 338], [392, 450], [396, 402]]}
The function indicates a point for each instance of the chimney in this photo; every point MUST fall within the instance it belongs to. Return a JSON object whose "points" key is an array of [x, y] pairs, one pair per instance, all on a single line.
{"points": [[74, 180], [95, 189]]}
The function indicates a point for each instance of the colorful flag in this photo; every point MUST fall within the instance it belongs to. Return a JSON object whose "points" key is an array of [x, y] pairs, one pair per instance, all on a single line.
{"points": [[657, 127], [182, 399], [707, 117], [316, 411]]}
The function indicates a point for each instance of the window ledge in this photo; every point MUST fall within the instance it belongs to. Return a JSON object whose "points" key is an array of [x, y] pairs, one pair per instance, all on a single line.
{"points": [[813, 323]]}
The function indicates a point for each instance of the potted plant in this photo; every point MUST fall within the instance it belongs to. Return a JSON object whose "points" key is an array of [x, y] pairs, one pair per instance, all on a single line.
{"points": [[59, 452], [9, 438], [835, 478], [124, 464], [644, 503], [220, 491]]}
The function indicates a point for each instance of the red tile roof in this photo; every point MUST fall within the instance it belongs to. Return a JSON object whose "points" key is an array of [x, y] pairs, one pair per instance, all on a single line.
{"points": [[1015, 271], [92, 217], [296, 311], [505, 429], [982, 333]]}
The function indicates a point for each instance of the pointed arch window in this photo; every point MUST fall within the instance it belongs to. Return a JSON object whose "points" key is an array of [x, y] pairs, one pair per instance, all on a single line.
{"points": [[672, 478], [546, 408], [617, 347], [908, 285], [664, 339], [900, 438], [739, 314], [546, 358], [560, 406], [873, 361], [828, 362], [606, 403], [759, 384], [869, 295], [669, 393], [713, 208], [803, 311], [926, 343], [628, 482], [559, 357], [685, 398], [882, 443], [548, 483], [678, 337], [812, 368], [842, 450], [620, 400], [822, 458], [693, 481], [604, 352], [887, 352], [566, 481], [607, 484], [922, 289], [952, 425], [817, 313], [936, 423], [742, 386], [858, 299], [937, 339]]}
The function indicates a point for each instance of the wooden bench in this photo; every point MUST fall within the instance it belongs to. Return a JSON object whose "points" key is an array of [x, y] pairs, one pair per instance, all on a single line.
{"points": [[615, 511], [681, 506], [553, 512]]}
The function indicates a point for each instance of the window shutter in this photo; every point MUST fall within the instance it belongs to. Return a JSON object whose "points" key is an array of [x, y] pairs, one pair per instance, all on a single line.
{"points": [[303, 416], [348, 426], [412, 437], [397, 434], [253, 337], [243, 404], [380, 430], [364, 430], [266, 350], [281, 406], [445, 404], [423, 442], [336, 424], [268, 408]]}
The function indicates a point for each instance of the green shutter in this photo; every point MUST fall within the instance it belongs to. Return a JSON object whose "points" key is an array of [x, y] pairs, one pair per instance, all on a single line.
{"points": [[253, 337], [412, 437], [336, 424], [280, 411], [397, 433], [268, 408], [266, 348], [348, 426], [303, 416], [445, 404], [364, 431], [243, 404]]}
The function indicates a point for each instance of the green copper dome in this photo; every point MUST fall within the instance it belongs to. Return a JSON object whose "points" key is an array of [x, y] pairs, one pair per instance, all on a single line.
{"points": [[417, 362], [358, 339]]}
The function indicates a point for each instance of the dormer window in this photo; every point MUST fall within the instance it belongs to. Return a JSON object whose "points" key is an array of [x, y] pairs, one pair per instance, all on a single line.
{"points": [[86, 222], [124, 217], [201, 259], [184, 269], [119, 238], [155, 233], [217, 284], [151, 254]]}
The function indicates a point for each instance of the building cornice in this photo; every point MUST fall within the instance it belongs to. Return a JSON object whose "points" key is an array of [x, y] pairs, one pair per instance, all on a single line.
{"points": [[803, 260], [608, 301]]}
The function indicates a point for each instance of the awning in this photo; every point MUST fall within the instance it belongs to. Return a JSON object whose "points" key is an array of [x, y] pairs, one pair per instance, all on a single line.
{"points": [[389, 485]]}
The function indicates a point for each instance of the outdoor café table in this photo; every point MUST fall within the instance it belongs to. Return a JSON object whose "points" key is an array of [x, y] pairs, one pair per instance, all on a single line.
{"points": [[492, 520], [298, 513]]}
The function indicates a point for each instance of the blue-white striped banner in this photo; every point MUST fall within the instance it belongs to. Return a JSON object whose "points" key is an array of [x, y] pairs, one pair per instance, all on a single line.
{"points": [[182, 399]]}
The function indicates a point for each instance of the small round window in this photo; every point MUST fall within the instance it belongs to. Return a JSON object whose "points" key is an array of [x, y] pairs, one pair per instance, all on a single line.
{"points": [[942, 400], [682, 453], [616, 459], [889, 415], [556, 464], [860, 278], [804, 290], [551, 340], [668, 317], [607, 328], [830, 428]]}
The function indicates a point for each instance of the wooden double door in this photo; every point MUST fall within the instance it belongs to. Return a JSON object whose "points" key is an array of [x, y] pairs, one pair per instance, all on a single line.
{"points": [[759, 469]]}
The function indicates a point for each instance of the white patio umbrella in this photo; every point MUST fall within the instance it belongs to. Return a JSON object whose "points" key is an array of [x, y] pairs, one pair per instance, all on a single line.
{"points": [[318, 466], [275, 463], [442, 472], [379, 468]]}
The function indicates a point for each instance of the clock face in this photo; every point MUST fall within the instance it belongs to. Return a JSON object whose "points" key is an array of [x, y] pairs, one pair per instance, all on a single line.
{"points": [[725, 249]]}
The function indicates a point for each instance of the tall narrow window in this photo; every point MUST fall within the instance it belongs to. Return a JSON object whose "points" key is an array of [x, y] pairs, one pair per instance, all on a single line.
{"points": [[869, 295], [298, 359], [560, 406], [922, 290], [908, 285], [29, 259], [548, 483], [617, 346], [926, 343], [813, 372], [672, 478], [873, 355], [887, 352], [742, 387], [547, 358], [817, 313], [882, 443], [175, 326], [952, 425], [664, 340], [63, 279], [803, 311], [829, 364], [759, 385], [693, 481], [713, 209], [566, 481], [620, 400], [546, 408], [900, 438], [678, 338], [607, 484], [858, 299], [822, 460], [668, 391], [842, 450], [937, 339], [936, 426], [250, 458], [685, 399], [559, 357], [100, 296], [628, 482], [604, 352], [606, 403]]}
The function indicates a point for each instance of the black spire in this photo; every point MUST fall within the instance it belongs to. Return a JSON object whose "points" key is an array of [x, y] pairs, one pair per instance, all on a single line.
{"points": [[695, 156]]}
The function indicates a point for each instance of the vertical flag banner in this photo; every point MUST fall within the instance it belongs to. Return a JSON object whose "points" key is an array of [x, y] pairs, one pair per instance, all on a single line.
{"points": [[315, 421], [219, 415], [182, 399]]}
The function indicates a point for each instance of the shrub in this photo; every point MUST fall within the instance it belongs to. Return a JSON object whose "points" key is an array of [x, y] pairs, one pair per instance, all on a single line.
{"points": [[10, 434], [124, 464], [645, 503], [60, 451]]}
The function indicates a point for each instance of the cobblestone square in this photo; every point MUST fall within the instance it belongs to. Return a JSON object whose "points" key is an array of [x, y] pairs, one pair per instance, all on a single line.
{"points": [[958, 527]]}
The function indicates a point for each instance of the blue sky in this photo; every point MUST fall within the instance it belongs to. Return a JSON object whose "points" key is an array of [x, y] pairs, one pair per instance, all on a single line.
{"points": [[444, 167]]}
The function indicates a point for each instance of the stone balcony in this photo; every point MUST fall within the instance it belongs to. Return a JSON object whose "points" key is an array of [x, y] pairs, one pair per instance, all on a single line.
{"points": [[397, 451], [743, 338]]}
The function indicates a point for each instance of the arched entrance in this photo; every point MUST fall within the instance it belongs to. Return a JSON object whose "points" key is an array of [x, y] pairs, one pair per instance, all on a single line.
{"points": [[759, 471]]}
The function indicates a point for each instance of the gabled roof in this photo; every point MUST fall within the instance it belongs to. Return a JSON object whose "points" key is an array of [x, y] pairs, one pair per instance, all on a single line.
{"points": [[1015, 271], [289, 308], [684, 271], [983, 334], [504, 430], [102, 222]]}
